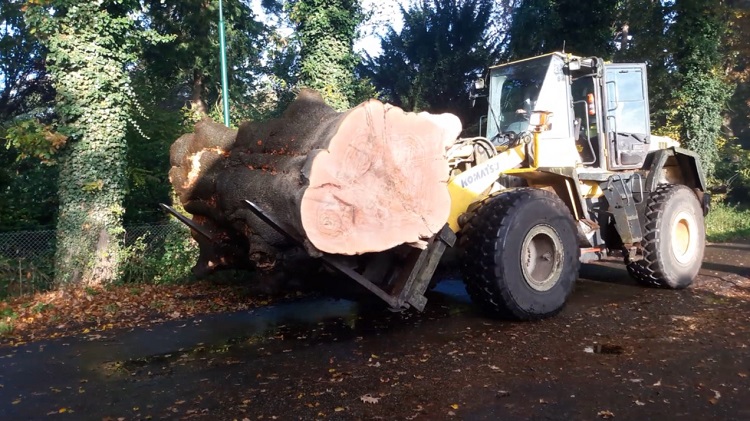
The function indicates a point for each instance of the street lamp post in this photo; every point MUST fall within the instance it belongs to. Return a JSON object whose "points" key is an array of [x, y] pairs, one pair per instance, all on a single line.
{"points": [[224, 82]]}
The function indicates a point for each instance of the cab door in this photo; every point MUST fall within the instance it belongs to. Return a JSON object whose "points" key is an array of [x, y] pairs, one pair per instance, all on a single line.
{"points": [[626, 114]]}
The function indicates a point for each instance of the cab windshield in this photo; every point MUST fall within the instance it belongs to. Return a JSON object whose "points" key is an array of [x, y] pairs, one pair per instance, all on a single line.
{"points": [[514, 92]]}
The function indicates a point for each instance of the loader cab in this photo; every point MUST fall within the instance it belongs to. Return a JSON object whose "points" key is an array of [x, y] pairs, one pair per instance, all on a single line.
{"points": [[600, 115], [519, 88], [610, 103]]}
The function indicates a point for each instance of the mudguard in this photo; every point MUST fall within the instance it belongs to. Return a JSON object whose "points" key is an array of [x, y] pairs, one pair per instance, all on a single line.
{"points": [[690, 168]]}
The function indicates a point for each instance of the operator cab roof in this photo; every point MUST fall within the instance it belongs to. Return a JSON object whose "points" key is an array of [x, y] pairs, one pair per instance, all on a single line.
{"points": [[585, 62]]}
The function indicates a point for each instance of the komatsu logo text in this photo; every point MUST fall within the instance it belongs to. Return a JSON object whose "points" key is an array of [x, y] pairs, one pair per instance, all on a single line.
{"points": [[490, 170]]}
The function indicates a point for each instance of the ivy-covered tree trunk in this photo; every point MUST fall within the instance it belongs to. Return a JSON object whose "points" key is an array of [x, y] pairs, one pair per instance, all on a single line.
{"points": [[89, 46], [91, 192], [327, 30], [702, 94]]}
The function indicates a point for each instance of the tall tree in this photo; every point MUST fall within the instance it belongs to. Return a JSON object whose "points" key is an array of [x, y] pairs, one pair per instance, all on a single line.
{"points": [[25, 94], [326, 30], [23, 79], [737, 68], [90, 45], [429, 64], [189, 62], [701, 95], [543, 26]]}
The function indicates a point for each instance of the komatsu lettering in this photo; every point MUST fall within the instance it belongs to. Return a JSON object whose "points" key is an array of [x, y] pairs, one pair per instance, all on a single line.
{"points": [[491, 169]]}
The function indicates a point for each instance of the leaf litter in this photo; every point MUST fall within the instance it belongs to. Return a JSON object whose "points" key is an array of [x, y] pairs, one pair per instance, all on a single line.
{"points": [[92, 311]]}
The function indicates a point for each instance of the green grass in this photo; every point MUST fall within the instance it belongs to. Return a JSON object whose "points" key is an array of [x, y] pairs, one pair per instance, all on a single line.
{"points": [[6, 321], [7, 312], [6, 328], [727, 223], [41, 307]]}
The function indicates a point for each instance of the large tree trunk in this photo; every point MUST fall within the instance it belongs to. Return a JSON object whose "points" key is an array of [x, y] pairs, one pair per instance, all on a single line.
{"points": [[196, 96], [362, 181]]}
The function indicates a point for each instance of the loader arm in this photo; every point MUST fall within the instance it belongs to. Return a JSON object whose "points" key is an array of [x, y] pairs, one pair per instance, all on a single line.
{"points": [[477, 182]]}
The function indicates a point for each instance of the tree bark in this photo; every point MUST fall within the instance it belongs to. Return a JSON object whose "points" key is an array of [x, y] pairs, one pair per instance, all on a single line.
{"points": [[196, 96], [362, 181]]}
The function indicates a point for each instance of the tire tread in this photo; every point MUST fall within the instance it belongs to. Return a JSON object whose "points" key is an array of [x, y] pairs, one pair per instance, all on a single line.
{"points": [[649, 271], [479, 240]]}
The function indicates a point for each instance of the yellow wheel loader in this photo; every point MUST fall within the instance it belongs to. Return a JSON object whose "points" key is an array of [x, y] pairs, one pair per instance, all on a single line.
{"points": [[566, 172]]}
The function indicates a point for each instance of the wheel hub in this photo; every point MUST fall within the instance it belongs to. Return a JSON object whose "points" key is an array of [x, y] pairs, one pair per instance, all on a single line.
{"points": [[541, 258], [683, 233]]}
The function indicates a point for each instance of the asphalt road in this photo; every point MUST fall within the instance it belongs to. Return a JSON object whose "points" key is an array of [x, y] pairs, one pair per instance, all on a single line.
{"points": [[617, 351]]}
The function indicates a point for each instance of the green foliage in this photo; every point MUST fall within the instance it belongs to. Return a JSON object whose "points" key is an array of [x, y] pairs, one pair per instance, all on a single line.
{"points": [[429, 65], [29, 198], [701, 94], [698, 30], [701, 99], [189, 61], [326, 30], [6, 327], [33, 139], [733, 172], [7, 312], [542, 26], [179, 255], [147, 261], [24, 85], [27, 191], [727, 223], [736, 51], [25, 275], [148, 165]]}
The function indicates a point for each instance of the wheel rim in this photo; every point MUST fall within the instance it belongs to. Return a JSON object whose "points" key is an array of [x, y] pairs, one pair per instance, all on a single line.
{"points": [[541, 258], [684, 239]]}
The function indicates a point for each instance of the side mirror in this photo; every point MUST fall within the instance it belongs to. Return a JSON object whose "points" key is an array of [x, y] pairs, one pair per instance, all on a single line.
{"points": [[477, 90], [540, 121]]}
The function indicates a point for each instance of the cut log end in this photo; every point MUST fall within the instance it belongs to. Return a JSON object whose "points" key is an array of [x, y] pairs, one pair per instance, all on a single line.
{"points": [[381, 182]]}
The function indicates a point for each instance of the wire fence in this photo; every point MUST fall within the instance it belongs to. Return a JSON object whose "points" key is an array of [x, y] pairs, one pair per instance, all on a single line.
{"points": [[27, 257]]}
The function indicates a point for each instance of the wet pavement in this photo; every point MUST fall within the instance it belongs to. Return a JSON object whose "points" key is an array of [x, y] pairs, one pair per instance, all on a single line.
{"points": [[617, 350]]}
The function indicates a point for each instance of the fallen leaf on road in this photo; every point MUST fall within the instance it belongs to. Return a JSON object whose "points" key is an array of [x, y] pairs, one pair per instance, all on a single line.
{"points": [[338, 409], [606, 414], [639, 403], [369, 399], [716, 397]]}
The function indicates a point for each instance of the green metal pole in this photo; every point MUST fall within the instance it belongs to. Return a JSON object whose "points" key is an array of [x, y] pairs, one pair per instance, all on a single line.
{"points": [[224, 82]]}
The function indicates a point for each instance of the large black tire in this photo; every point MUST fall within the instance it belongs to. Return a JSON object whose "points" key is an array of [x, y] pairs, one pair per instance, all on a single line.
{"points": [[520, 254], [674, 239]]}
